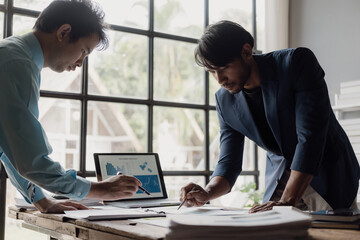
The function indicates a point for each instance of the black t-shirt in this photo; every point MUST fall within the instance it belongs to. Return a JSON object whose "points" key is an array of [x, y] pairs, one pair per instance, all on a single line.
{"points": [[256, 105]]}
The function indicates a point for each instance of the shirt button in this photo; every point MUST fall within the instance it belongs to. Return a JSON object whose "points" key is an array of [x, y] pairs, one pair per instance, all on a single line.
{"points": [[79, 194]]}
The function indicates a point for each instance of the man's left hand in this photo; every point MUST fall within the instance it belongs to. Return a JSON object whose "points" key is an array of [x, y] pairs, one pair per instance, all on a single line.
{"points": [[49, 205], [267, 206]]}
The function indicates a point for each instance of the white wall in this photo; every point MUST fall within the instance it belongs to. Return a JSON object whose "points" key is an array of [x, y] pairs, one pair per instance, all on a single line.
{"points": [[331, 28]]}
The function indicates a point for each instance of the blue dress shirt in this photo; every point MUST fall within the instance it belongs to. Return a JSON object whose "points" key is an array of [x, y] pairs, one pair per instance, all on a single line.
{"points": [[24, 147]]}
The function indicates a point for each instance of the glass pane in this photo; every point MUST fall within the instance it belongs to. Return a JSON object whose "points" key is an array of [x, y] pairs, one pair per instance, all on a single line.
{"points": [[127, 13], [120, 70], [23, 24], [38, 5], [260, 24], [239, 199], [1, 25], [60, 119], [115, 127], [214, 86], [249, 156], [179, 17], [174, 184], [177, 78], [61, 82], [13, 227], [239, 11], [179, 138], [214, 131]]}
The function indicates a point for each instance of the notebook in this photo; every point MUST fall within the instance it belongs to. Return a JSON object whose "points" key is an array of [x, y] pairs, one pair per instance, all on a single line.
{"points": [[145, 167]]}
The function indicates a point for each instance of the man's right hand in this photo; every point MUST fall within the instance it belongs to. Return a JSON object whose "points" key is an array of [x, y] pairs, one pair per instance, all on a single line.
{"points": [[195, 195], [114, 188]]}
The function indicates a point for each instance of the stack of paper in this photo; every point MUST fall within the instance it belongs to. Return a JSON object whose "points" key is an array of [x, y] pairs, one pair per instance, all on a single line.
{"points": [[279, 223]]}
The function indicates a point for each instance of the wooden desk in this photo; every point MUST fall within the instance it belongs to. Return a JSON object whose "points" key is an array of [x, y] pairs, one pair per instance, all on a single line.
{"points": [[57, 227]]}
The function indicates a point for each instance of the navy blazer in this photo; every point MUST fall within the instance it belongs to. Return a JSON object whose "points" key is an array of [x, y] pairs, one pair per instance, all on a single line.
{"points": [[299, 113]]}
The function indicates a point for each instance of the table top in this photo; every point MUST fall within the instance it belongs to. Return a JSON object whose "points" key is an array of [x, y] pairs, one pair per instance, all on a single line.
{"points": [[63, 228]]}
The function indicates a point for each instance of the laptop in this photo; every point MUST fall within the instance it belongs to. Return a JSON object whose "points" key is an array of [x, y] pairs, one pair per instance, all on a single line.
{"points": [[145, 167]]}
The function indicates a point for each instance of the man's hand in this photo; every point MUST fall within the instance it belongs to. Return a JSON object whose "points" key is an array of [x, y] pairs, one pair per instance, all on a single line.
{"points": [[48, 205], [114, 188], [267, 206], [294, 190], [195, 195]]}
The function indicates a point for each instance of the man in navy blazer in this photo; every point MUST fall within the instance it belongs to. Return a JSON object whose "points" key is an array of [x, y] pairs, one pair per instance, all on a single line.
{"points": [[280, 101]]}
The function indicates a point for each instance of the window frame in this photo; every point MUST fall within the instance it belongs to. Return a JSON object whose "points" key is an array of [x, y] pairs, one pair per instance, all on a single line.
{"points": [[84, 97]]}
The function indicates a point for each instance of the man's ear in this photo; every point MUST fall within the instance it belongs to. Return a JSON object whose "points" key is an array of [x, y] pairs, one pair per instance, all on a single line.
{"points": [[63, 32], [246, 51]]}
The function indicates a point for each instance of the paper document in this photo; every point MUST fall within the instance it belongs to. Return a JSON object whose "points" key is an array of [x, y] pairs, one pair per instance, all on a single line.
{"points": [[279, 223], [112, 213]]}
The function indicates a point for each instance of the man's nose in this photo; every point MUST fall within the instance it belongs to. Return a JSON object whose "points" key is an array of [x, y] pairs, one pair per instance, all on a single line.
{"points": [[219, 77], [79, 62]]}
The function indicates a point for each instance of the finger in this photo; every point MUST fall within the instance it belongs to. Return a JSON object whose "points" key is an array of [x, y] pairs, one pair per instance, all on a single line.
{"points": [[184, 190], [125, 195], [263, 207], [189, 203], [253, 207], [130, 189], [130, 180], [256, 208], [76, 205], [193, 203], [190, 186], [182, 193], [67, 208]]}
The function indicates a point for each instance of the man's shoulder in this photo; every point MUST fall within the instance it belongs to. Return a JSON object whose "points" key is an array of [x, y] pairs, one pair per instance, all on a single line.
{"points": [[14, 47], [14, 51], [285, 58], [223, 97], [290, 53], [222, 92]]}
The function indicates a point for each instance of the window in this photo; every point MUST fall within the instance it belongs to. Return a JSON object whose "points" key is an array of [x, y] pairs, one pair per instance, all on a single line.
{"points": [[143, 94]]}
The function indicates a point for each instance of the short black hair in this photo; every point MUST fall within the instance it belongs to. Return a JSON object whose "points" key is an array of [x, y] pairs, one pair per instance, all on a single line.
{"points": [[221, 43], [85, 18]]}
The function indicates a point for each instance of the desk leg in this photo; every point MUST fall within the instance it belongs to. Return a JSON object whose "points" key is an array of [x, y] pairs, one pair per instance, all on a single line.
{"points": [[2, 200]]}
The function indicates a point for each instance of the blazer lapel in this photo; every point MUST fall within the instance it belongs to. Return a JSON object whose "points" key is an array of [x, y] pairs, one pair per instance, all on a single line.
{"points": [[248, 127]]}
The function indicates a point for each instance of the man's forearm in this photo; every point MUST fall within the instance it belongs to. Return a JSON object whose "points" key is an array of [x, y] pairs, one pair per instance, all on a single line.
{"points": [[295, 187], [217, 187]]}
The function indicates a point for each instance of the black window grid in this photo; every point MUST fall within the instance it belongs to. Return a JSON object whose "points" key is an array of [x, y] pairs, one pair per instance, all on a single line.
{"points": [[84, 97]]}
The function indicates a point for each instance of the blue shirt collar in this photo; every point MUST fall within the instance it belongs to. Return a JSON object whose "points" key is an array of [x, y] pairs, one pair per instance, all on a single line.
{"points": [[35, 49]]}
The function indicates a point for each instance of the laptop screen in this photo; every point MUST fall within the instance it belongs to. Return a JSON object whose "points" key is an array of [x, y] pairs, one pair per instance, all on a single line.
{"points": [[143, 166]]}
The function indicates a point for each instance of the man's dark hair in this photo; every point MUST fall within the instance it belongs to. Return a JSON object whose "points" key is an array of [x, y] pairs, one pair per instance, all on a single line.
{"points": [[221, 43], [84, 17]]}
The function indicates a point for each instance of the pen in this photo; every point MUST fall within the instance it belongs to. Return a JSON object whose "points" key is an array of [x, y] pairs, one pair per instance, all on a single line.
{"points": [[141, 188], [183, 201], [144, 190]]}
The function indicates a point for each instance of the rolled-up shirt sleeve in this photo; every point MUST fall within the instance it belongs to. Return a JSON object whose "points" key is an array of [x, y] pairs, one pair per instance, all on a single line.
{"points": [[24, 142]]}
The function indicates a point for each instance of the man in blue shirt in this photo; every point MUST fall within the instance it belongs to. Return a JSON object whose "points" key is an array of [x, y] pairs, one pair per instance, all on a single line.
{"points": [[280, 101], [64, 34]]}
